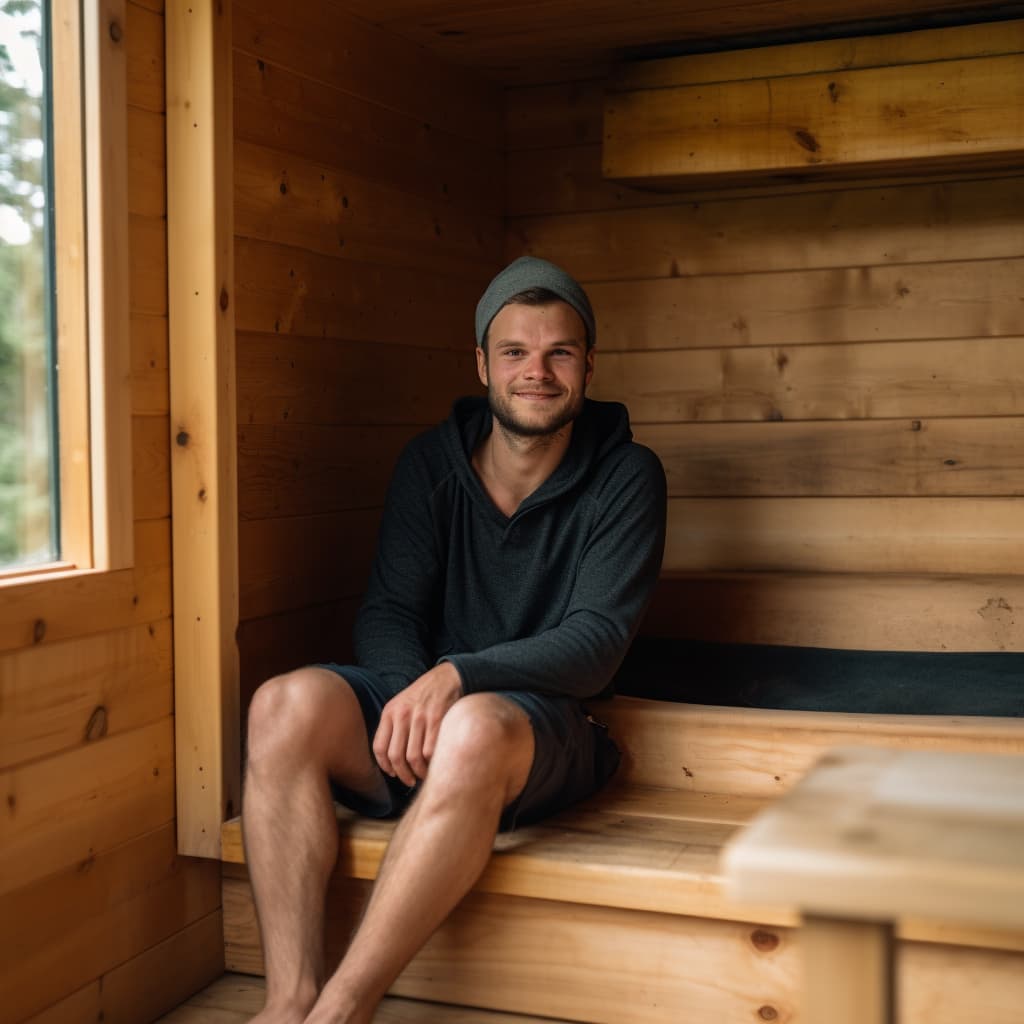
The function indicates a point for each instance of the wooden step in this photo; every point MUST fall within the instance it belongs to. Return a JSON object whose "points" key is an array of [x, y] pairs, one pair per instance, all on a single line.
{"points": [[616, 910], [236, 998]]}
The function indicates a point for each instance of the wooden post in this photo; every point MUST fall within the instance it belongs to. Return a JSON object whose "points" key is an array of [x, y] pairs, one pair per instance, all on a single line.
{"points": [[203, 427], [848, 971]]}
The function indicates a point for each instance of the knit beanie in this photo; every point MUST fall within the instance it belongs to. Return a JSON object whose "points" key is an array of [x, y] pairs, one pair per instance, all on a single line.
{"points": [[531, 272]]}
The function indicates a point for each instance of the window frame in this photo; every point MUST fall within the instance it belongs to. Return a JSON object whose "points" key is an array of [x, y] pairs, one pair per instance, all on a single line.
{"points": [[88, 104]]}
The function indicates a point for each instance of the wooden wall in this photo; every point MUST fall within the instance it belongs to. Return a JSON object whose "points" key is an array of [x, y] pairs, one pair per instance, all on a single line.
{"points": [[830, 375], [368, 220], [94, 902]]}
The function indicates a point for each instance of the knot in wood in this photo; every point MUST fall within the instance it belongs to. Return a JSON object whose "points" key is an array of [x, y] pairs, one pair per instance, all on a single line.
{"points": [[38, 631], [768, 1013], [764, 941], [97, 727], [116, 32]]}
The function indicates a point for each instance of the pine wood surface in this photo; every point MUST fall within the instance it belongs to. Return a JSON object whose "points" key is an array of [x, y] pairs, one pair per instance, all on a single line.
{"points": [[851, 122], [149, 359], [859, 611], [874, 834], [948, 457], [282, 384], [923, 381], [825, 534]]}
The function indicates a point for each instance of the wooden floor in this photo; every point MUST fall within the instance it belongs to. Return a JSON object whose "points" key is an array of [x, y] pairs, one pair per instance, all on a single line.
{"points": [[235, 998]]}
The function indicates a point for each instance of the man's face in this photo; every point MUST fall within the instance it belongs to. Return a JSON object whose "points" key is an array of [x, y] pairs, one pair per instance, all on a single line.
{"points": [[536, 367]]}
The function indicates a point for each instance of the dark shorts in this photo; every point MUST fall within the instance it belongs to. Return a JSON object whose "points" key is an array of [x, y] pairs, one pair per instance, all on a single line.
{"points": [[573, 754]]}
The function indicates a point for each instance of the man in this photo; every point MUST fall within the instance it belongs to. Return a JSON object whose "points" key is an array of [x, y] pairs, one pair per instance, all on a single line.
{"points": [[519, 545]]}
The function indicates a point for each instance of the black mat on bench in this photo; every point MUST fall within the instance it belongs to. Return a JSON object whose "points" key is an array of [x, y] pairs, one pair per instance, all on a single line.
{"points": [[813, 679]]}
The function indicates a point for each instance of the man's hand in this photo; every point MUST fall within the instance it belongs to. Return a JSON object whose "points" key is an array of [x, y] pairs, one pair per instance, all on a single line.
{"points": [[409, 724]]}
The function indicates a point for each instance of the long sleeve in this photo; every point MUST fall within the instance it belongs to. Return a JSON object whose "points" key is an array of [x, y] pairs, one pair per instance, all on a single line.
{"points": [[394, 626]]}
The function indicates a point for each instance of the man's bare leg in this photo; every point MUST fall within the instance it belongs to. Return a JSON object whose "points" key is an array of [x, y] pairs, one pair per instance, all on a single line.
{"points": [[483, 758], [303, 728]]}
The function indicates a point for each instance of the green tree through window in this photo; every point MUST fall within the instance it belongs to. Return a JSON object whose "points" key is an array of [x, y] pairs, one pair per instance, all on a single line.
{"points": [[28, 498]]}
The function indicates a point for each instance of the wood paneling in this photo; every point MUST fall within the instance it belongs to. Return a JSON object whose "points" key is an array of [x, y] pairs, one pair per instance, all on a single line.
{"points": [[741, 327], [94, 917], [58, 696], [345, 383], [867, 457], [306, 470], [852, 610], [871, 535], [970, 377], [855, 228]]}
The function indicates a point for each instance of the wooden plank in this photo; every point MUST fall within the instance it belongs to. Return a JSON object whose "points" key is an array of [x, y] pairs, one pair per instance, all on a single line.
{"points": [[854, 228], [924, 458], [94, 687], [147, 158], [288, 291], [927, 973], [322, 42], [847, 54], [286, 199], [151, 470], [81, 1007], [66, 929], [145, 70], [148, 272], [281, 109], [758, 753], [539, 957], [309, 470], [282, 381], [872, 834], [67, 605], [931, 301], [956, 113], [299, 561], [890, 535], [204, 459], [143, 988], [849, 971], [559, 114], [107, 246], [150, 381], [65, 809], [965, 377], [288, 640], [848, 610]]}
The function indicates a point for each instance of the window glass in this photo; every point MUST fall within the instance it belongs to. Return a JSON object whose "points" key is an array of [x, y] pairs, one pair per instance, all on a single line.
{"points": [[28, 471]]}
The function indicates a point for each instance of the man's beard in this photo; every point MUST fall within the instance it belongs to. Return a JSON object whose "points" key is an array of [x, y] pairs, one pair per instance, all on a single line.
{"points": [[502, 411]]}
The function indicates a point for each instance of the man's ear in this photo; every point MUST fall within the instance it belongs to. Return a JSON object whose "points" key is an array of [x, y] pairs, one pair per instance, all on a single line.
{"points": [[481, 365]]}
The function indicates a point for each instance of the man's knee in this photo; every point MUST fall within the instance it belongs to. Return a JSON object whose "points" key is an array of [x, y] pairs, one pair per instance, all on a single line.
{"points": [[485, 738], [289, 711]]}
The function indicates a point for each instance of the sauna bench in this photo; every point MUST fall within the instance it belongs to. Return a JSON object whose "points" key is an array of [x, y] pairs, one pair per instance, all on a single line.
{"points": [[644, 847]]}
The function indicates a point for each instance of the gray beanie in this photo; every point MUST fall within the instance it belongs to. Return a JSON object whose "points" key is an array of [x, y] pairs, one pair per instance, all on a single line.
{"points": [[531, 272]]}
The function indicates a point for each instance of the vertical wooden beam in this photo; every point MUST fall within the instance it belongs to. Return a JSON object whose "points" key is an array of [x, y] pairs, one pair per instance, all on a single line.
{"points": [[848, 971], [203, 428], [106, 188]]}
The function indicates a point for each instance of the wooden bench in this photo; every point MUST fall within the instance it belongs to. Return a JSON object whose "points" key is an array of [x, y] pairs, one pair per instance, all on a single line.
{"points": [[617, 910]]}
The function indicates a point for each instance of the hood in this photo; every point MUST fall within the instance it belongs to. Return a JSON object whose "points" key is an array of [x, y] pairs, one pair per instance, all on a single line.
{"points": [[599, 428]]}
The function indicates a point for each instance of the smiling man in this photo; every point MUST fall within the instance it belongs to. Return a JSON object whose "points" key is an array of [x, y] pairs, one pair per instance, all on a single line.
{"points": [[520, 542]]}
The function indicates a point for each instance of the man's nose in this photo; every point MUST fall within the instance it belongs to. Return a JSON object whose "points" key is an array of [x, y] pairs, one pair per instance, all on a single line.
{"points": [[537, 367]]}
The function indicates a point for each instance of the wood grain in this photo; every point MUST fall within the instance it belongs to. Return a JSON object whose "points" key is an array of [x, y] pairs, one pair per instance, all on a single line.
{"points": [[921, 458], [864, 535], [858, 611]]}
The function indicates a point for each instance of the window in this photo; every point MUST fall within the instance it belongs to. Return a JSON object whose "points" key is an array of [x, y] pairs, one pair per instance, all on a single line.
{"points": [[65, 427], [29, 494]]}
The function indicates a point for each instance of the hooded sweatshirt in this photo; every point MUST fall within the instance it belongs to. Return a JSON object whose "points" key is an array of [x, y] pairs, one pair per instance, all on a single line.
{"points": [[546, 600]]}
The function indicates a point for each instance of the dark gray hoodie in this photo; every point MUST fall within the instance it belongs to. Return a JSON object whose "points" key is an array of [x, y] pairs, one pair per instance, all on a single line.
{"points": [[547, 600]]}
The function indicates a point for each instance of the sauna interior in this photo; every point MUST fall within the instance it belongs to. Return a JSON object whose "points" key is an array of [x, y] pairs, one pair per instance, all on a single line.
{"points": [[825, 347]]}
